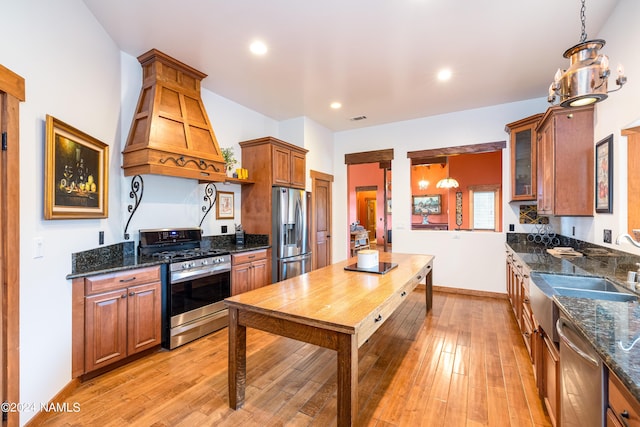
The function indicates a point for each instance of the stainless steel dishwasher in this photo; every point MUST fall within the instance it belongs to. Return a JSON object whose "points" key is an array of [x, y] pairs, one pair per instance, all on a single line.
{"points": [[581, 379]]}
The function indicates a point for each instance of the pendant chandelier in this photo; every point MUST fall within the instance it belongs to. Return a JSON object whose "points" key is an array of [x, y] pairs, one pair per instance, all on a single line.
{"points": [[447, 182], [585, 81]]}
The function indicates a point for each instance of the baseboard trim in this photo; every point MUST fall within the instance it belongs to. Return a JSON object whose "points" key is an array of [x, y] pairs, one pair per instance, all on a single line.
{"points": [[472, 292], [58, 398]]}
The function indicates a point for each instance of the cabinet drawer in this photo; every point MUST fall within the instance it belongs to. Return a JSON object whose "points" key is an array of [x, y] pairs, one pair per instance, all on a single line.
{"points": [[243, 257], [121, 279], [379, 316], [622, 402]]}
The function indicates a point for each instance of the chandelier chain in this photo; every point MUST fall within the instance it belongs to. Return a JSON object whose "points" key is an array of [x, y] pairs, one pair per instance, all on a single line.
{"points": [[583, 35]]}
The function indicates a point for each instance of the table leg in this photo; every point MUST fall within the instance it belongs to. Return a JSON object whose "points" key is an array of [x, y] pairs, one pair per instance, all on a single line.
{"points": [[237, 360], [429, 290], [347, 379]]}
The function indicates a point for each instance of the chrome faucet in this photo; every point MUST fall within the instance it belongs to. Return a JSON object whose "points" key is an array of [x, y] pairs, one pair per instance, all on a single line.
{"points": [[628, 237]]}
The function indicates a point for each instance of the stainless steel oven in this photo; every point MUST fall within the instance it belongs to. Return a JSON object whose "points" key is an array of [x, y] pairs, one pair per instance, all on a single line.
{"points": [[197, 282], [197, 289]]}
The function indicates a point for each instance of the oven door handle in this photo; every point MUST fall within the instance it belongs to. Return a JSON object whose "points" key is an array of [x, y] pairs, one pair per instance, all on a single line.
{"points": [[183, 276]]}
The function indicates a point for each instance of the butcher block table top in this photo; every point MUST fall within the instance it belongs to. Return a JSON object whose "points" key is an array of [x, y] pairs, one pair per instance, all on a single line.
{"points": [[329, 307]]}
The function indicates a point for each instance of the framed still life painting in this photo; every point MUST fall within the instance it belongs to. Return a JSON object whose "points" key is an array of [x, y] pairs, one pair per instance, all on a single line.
{"points": [[604, 175], [76, 173]]}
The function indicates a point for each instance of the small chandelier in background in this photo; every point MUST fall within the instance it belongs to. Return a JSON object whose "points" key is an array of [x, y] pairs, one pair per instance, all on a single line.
{"points": [[447, 182], [585, 81], [423, 184]]}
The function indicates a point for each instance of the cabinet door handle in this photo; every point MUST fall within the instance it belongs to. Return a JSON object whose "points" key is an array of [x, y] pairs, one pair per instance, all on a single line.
{"points": [[130, 279], [123, 295], [131, 294], [624, 416], [403, 294], [378, 318], [251, 256]]}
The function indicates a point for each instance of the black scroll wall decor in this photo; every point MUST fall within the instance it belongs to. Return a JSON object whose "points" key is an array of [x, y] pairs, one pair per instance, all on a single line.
{"points": [[210, 197], [137, 188]]}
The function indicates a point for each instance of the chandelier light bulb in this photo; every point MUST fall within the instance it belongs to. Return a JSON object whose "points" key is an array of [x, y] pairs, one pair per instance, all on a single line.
{"points": [[558, 76]]}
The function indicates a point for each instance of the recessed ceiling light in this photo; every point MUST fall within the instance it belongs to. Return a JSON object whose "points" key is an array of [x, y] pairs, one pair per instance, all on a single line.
{"points": [[335, 105], [444, 74], [258, 48]]}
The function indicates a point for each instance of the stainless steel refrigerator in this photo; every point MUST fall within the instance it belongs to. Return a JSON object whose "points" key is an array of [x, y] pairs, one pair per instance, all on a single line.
{"points": [[290, 233]]}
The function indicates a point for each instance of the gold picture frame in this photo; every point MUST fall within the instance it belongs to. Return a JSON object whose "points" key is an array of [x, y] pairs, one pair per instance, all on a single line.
{"points": [[224, 206], [76, 173]]}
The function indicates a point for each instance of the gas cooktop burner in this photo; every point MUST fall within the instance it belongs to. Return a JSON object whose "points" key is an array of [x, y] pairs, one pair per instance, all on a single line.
{"points": [[186, 254]]}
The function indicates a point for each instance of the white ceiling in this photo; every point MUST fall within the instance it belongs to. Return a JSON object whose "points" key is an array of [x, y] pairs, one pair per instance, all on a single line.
{"points": [[379, 58]]}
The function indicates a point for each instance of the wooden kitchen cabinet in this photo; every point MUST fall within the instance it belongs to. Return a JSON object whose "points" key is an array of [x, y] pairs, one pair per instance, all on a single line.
{"points": [[249, 271], [544, 355], [271, 162], [281, 163], [565, 167], [550, 378], [623, 409], [523, 146], [115, 315], [288, 167]]}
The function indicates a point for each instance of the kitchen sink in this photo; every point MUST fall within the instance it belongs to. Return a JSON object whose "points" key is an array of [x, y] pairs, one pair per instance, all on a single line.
{"points": [[543, 286], [557, 281], [601, 295]]}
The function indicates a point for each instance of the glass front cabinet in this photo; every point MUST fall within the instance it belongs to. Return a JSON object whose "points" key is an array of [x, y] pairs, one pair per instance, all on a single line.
{"points": [[523, 157]]}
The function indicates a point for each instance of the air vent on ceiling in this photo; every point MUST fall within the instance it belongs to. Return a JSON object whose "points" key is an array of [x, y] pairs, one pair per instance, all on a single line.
{"points": [[358, 118]]}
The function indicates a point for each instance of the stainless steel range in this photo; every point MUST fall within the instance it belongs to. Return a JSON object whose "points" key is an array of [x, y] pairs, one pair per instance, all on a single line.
{"points": [[199, 279]]}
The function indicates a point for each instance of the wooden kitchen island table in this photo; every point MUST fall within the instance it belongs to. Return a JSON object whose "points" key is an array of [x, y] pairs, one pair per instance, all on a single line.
{"points": [[328, 307]]}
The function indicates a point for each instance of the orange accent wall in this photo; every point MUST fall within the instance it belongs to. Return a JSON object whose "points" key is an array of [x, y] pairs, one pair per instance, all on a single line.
{"points": [[469, 170]]}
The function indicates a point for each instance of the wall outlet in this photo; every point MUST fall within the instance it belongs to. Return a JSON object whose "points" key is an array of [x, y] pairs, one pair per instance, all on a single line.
{"points": [[101, 237], [573, 230], [512, 227], [606, 236], [223, 229]]}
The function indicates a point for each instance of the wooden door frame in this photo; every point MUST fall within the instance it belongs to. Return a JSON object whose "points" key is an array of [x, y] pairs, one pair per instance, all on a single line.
{"points": [[12, 92], [315, 177]]}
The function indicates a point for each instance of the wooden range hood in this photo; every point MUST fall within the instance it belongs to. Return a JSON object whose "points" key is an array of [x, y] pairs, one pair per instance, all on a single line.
{"points": [[171, 133]]}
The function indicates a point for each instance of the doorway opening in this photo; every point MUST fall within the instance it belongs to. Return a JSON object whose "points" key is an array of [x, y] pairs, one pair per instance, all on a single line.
{"points": [[369, 195]]}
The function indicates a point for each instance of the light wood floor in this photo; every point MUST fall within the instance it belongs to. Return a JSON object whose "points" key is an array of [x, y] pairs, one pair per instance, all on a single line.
{"points": [[465, 364]]}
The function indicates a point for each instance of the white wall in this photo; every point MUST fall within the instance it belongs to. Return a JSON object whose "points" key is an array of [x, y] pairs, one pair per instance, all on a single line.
{"points": [[463, 259], [71, 69]]}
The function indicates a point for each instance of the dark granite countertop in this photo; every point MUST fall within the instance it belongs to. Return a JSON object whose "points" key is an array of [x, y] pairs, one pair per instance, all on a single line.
{"points": [[123, 256], [605, 324]]}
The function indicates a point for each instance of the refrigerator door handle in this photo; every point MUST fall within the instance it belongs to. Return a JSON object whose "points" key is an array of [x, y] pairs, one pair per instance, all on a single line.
{"points": [[296, 258]]}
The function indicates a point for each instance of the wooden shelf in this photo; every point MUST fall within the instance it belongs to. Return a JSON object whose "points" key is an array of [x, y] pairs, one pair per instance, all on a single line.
{"points": [[239, 181], [231, 181], [359, 241]]}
